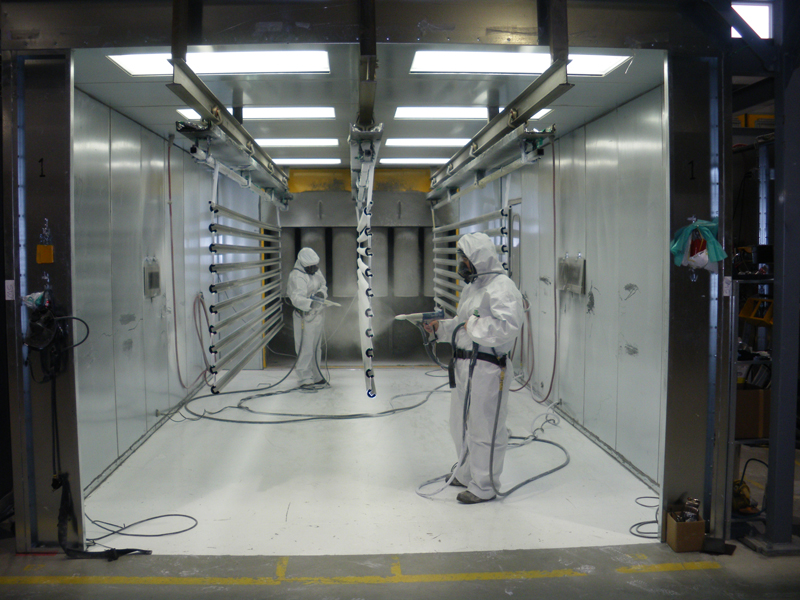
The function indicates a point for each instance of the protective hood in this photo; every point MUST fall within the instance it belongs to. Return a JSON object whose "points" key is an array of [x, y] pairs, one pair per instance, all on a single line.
{"points": [[481, 252], [307, 257]]}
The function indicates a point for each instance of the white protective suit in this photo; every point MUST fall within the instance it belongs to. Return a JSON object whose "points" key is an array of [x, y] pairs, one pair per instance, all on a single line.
{"points": [[492, 309], [308, 319]]}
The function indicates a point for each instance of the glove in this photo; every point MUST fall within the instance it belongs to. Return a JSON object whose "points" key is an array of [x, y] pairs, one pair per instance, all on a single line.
{"points": [[318, 298]]}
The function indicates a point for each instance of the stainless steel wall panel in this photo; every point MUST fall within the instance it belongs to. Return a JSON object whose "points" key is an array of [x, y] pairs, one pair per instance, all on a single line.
{"points": [[288, 257], [321, 209], [342, 279], [642, 217], [196, 260], [154, 310], [572, 240], [380, 261], [427, 262], [94, 364], [180, 163], [529, 269], [400, 209], [336, 209], [545, 315], [602, 276], [126, 290], [406, 263]]}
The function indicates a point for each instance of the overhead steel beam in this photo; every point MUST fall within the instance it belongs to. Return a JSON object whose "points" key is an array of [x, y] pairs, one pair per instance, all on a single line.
{"points": [[549, 86], [187, 25], [189, 88], [753, 95], [552, 16], [368, 64]]}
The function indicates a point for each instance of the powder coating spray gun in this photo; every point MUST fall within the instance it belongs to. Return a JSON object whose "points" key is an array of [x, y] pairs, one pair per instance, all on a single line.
{"points": [[420, 319], [324, 301]]}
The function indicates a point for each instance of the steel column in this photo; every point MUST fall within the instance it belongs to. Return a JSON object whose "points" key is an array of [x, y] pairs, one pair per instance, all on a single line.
{"points": [[786, 329]]}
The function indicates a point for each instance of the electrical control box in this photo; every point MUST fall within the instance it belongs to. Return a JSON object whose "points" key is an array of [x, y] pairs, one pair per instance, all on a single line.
{"points": [[152, 277]]}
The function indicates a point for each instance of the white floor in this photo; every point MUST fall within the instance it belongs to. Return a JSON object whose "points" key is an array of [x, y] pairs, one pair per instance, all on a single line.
{"points": [[349, 487]]}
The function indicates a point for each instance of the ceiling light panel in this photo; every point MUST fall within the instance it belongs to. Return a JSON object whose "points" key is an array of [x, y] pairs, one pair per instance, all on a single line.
{"points": [[288, 112], [296, 142], [256, 113], [541, 114], [510, 63], [227, 63], [427, 142], [442, 112]]}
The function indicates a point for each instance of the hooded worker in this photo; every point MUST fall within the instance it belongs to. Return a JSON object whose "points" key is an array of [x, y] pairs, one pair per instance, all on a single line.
{"points": [[307, 290], [490, 309]]}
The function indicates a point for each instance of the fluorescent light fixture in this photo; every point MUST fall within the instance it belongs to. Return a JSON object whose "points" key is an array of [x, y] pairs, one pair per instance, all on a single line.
{"points": [[758, 16], [289, 112], [427, 142], [296, 142], [273, 112], [594, 65], [448, 61], [227, 63], [441, 112], [414, 161], [510, 63], [541, 114], [307, 161], [189, 114]]}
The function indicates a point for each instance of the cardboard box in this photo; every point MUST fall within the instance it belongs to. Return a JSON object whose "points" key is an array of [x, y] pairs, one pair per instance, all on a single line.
{"points": [[685, 537], [752, 414]]}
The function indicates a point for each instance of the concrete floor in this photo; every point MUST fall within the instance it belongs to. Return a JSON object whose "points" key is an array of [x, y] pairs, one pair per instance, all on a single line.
{"points": [[613, 572]]}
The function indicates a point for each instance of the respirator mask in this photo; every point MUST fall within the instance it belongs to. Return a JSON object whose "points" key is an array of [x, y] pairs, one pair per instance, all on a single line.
{"points": [[466, 270], [311, 269]]}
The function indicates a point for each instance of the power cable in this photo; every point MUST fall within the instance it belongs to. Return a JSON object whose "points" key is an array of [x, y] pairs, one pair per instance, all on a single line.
{"points": [[121, 529], [636, 528], [303, 417]]}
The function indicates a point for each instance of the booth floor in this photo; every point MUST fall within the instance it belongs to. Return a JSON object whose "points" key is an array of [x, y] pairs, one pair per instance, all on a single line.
{"points": [[349, 486]]}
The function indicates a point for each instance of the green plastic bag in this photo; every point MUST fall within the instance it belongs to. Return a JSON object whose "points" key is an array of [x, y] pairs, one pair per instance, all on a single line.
{"points": [[708, 230]]}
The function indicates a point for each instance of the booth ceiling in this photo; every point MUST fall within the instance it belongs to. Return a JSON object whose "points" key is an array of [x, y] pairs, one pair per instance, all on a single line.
{"points": [[148, 101]]}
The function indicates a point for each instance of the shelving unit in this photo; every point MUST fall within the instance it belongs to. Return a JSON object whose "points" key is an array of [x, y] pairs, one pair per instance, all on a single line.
{"points": [[734, 445]]}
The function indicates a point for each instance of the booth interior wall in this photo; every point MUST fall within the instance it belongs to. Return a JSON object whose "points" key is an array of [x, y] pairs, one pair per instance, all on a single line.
{"points": [[126, 369], [574, 308], [612, 208], [402, 266]]}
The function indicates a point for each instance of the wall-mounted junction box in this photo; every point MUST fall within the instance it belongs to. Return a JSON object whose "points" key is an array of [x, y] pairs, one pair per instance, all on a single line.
{"points": [[572, 274], [152, 277]]}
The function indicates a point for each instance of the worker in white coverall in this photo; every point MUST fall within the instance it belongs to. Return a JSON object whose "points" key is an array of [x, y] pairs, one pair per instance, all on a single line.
{"points": [[490, 307], [306, 289]]}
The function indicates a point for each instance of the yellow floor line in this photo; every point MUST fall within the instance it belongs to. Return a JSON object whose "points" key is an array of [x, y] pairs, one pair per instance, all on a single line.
{"points": [[254, 581], [665, 567], [396, 576]]}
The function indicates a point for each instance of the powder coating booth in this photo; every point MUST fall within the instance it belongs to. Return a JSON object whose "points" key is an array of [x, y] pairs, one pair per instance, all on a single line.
{"points": [[641, 357]]}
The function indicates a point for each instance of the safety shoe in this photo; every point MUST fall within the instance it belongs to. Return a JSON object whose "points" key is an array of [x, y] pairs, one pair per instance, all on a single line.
{"points": [[457, 483], [468, 497]]}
